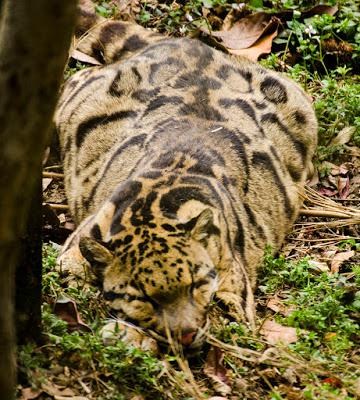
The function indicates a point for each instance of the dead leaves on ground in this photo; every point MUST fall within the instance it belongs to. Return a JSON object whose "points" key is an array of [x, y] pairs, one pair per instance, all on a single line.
{"points": [[50, 388], [66, 309], [275, 333], [214, 369], [252, 35], [339, 258], [341, 180]]}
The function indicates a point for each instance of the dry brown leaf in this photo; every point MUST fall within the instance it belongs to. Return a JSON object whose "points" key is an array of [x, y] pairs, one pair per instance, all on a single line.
{"points": [[53, 389], [327, 192], [276, 305], [353, 150], [343, 185], [339, 258], [319, 266], [80, 56], [30, 394], [262, 46], [247, 31], [70, 398], [66, 309], [46, 182], [339, 170], [275, 333], [128, 9], [215, 370], [321, 9], [333, 381], [344, 136]]}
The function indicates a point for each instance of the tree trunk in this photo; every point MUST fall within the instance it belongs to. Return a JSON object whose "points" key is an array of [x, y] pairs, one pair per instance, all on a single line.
{"points": [[28, 272], [34, 38]]}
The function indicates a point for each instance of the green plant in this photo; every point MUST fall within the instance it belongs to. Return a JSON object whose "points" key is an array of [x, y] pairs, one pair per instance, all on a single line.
{"points": [[322, 303]]}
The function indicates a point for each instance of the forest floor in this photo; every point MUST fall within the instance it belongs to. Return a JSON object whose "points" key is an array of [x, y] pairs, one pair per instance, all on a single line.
{"points": [[308, 299]]}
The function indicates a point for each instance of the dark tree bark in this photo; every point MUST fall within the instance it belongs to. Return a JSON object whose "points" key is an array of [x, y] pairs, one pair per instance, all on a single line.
{"points": [[34, 38], [28, 272]]}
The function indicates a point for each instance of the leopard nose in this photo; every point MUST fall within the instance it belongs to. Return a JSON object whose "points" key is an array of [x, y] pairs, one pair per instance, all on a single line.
{"points": [[187, 338]]}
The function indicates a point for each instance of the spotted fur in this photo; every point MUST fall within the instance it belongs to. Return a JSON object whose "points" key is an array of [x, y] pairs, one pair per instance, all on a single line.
{"points": [[181, 164]]}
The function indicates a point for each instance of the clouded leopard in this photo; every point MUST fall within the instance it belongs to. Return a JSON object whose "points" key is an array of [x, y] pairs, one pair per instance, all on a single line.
{"points": [[181, 164]]}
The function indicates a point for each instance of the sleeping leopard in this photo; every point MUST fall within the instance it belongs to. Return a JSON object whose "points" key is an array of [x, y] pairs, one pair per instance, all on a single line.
{"points": [[181, 165]]}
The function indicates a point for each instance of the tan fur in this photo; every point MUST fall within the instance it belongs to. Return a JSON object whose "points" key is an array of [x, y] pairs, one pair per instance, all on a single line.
{"points": [[176, 134]]}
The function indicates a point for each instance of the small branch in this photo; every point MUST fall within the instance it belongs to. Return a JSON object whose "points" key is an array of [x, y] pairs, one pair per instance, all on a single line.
{"points": [[50, 167], [55, 206], [53, 175], [325, 213]]}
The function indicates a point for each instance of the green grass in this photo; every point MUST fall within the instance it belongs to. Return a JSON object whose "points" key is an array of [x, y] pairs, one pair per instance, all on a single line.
{"points": [[326, 310], [324, 304], [119, 366]]}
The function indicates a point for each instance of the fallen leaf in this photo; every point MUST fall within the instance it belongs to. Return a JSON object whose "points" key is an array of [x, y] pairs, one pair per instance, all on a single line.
{"points": [[215, 370], [275, 333], [343, 185], [247, 31], [30, 394], [53, 389], [353, 150], [46, 182], [333, 381], [327, 192], [276, 305], [321, 9], [80, 56], [339, 170], [339, 258], [319, 266], [232, 17], [66, 309], [70, 398], [262, 46], [344, 136]]}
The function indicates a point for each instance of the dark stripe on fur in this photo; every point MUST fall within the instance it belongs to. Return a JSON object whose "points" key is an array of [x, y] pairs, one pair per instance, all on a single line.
{"points": [[299, 146], [134, 141], [175, 198], [264, 161], [92, 123]]}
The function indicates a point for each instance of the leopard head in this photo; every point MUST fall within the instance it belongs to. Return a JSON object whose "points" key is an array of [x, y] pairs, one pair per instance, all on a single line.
{"points": [[162, 278]]}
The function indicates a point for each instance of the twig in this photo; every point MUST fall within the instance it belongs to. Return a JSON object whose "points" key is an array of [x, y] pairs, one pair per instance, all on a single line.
{"points": [[324, 213], [53, 175], [323, 240], [50, 167], [56, 206]]}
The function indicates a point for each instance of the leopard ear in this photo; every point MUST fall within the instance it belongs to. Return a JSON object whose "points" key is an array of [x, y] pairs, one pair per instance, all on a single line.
{"points": [[204, 225], [95, 253]]}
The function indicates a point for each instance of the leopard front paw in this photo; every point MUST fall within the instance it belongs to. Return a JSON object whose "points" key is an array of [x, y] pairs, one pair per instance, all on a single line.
{"points": [[121, 330]]}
